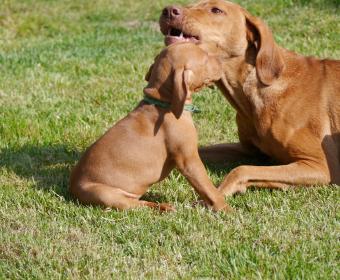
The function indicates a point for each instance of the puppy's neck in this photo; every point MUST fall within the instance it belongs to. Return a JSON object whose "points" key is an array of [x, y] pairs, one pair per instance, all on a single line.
{"points": [[157, 93]]}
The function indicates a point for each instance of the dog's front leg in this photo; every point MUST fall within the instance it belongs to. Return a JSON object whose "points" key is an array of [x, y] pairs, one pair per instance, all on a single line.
{"points": [[194, 171], [278, 177]]}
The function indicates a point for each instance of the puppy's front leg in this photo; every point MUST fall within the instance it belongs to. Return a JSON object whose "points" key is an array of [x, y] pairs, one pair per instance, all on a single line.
{"points": [[191, 166]]}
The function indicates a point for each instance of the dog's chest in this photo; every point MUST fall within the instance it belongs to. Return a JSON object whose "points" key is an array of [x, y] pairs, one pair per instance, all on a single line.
{"points": [[262, 106], [268, 116]]}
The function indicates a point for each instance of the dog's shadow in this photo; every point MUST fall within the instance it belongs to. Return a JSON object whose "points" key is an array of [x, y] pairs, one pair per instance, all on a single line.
{"points": [[46, 167], [332, 3], [223, 168]]}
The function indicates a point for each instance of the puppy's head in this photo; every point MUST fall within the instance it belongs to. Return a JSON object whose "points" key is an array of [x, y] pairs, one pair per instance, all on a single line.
{"points": [[179, 71]]}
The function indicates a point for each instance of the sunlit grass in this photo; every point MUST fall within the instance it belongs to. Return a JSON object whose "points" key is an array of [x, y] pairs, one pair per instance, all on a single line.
{"points": [[68, 71]]}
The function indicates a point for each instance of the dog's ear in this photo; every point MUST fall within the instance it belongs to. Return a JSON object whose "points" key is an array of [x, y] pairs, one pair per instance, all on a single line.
{"points": [[148, 74], [269, 62], [181, 91], [214, 68]]}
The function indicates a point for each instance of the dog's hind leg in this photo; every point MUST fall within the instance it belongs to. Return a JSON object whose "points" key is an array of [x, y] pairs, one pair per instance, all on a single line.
{"points": [[110, 197]]}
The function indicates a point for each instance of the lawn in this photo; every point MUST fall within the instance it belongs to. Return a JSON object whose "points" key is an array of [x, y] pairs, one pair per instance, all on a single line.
{"points": [[68, 71]]}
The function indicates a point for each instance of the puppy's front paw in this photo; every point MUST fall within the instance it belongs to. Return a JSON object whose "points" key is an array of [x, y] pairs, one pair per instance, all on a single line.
{"points": [[200, 203], [216, 208]]}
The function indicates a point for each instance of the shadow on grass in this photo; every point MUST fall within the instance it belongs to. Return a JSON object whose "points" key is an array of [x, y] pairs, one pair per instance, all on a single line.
{"points": [[154, 197], [47, 166], [222, 169], [335, 3], [324, 3]]}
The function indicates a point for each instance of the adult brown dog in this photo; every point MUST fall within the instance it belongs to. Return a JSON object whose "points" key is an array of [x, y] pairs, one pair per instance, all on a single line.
{"points": [[288, 105], [149, 142]]}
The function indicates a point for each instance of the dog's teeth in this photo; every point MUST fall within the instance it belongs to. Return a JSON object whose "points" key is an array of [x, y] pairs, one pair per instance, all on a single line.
{"points": [[181, 35], [169, 31]]}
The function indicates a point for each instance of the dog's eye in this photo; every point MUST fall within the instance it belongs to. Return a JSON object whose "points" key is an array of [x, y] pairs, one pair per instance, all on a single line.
{"points": [[216, 11]]}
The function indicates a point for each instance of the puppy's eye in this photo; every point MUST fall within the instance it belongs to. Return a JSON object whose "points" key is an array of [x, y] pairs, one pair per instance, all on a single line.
{"points": [[216, 11]]}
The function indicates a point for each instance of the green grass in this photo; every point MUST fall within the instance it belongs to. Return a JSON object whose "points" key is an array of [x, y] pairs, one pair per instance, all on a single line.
{"points": [[68, 71]]}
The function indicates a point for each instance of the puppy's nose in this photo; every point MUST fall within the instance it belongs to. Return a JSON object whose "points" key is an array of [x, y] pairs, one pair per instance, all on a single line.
{"points": [[172, 12]]}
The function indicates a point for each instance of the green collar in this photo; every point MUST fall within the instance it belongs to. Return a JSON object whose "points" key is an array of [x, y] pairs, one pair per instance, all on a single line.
{"points": [[153, 101]]}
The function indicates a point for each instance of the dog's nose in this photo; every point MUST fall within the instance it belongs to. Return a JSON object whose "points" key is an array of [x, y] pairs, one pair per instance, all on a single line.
{"points": [[172, 12]]}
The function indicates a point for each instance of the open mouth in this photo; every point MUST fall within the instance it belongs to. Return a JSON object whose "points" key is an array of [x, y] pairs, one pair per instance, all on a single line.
{"points": [[177, 35]]}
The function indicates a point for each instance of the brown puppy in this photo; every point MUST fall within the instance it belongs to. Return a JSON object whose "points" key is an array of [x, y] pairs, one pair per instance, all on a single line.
{"points": [[149, 142], [288, 105]]}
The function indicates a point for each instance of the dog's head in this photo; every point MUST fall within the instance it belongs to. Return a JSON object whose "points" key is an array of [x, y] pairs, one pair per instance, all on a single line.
{"points": [[224, 29], [179, 71]]}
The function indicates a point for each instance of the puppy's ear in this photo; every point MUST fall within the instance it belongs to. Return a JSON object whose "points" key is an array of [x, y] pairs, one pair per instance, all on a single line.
{"points": [[181, 91], [269, 62]]}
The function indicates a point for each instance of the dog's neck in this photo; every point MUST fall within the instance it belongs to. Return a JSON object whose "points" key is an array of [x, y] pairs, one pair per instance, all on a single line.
{"points": [[236, 72]]}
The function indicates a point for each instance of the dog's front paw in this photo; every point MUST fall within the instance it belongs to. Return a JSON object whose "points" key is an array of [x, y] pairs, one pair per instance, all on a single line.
{"points": [[226, 208], [166, 207], [230, 190]]}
